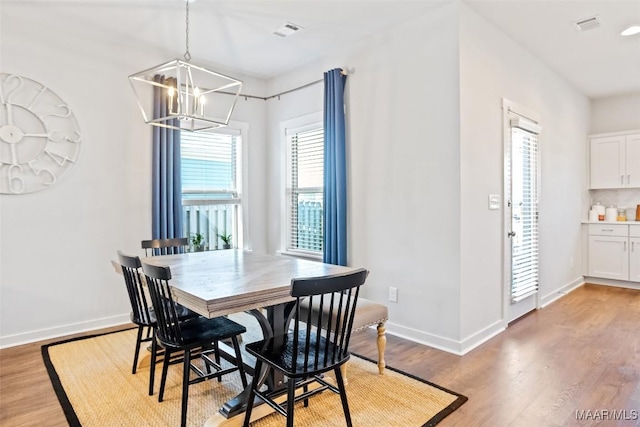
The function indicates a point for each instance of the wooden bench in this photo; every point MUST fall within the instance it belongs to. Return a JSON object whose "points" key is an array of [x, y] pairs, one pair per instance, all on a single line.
{"points": [[368, 313]]}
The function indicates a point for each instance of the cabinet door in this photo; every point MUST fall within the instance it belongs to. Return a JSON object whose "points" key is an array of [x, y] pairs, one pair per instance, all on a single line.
{"points": [[608, 162], [609, 257], [634, 259], [632, 178]]}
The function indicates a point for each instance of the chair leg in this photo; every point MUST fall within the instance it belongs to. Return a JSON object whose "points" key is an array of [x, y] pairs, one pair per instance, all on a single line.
{"points": [[152, 367], [236, 347], [382, 344], [216, 349], [185, 386], [163, 379], [252, 393], [135, 355], [343, 397], [291, 399]]}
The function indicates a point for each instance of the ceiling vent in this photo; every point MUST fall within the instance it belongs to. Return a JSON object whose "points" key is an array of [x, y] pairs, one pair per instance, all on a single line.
{"points": [[587, 24], [287, 29]]}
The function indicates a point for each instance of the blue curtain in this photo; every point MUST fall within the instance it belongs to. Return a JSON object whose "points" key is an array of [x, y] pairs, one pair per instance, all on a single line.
{"points": [[166, 182], [335, 170]]}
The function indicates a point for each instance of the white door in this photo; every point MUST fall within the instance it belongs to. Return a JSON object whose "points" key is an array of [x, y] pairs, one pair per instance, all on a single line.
{"points": [[522, 182]]}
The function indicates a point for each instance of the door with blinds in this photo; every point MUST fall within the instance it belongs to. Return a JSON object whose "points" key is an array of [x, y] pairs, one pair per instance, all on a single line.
{"points": [[522, 176]]}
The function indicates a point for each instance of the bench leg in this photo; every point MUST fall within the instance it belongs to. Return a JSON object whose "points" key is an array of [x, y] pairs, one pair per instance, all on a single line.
{"points": [[343, 369], [382, 344]]}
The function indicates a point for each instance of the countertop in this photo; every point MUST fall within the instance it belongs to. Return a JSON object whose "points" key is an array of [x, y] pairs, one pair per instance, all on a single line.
{"points": [[612, 222]]}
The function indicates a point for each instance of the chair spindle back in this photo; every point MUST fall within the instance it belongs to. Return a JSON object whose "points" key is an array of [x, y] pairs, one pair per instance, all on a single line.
{"points": [[326, 332], [137, 297], [168, 329]]}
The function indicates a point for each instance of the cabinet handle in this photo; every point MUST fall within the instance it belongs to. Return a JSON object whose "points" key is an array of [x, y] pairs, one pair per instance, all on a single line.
{"points": [[633, 246], [625, 247], [622, 179], [607, 229], [629, 179]]}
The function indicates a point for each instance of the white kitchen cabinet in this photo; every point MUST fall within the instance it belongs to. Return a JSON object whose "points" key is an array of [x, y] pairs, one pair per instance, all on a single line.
{"points": [[632, 147], [634, 253], [615, 161], [608, 257], [614, 251]]}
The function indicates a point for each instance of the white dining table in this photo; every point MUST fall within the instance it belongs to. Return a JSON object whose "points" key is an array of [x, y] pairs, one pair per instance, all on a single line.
{"points": [[224, 282]]}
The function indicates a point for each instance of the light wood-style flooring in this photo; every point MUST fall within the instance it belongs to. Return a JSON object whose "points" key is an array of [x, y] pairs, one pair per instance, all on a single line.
{"points": [[581, 353]]}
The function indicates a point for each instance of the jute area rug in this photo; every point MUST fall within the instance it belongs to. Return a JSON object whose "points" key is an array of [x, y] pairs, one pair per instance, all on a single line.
{"points": [[92, 378]]}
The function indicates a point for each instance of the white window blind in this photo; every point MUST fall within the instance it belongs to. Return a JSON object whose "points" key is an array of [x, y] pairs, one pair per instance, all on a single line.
{"points": [[524, 210], [210, 165], [304, 189]]}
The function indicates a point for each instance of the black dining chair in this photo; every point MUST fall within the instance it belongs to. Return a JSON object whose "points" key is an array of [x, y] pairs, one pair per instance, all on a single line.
{"points": [[165, 246], [318, 343], [142, 313], [197, 337]]}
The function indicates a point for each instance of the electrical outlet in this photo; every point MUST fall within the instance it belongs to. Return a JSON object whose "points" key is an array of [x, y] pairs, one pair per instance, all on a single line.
{"points": [[393, 294]]}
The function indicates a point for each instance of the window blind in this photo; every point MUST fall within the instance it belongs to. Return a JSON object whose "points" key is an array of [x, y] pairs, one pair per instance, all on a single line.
{"points": [[210, 166], [524, 213], [305, 189]]}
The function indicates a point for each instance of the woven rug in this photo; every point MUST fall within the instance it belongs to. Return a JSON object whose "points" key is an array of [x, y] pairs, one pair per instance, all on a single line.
{"points": [[93, 381]]}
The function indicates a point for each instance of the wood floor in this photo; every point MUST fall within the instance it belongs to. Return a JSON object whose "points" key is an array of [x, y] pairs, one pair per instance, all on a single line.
{"points": [[581, 353]]}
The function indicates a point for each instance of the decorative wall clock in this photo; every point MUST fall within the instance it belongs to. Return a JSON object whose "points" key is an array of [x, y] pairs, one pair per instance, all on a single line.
{"points": [[39, 136]]}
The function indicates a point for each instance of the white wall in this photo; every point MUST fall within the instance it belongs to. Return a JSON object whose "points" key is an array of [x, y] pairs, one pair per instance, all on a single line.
{"points": [[404, 172], [56, 245], [425, 149], [615, 113], [492, 67]]}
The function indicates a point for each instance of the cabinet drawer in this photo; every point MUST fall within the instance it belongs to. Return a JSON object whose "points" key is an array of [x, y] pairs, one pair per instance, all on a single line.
{"points": [[608, 230], [634, 231]]}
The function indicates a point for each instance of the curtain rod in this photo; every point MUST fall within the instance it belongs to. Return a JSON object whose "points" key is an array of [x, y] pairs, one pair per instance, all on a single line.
{"points": [[344, 72]]}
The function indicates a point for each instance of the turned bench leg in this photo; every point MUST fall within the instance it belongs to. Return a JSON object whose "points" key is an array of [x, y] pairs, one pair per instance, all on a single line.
{"points": [[382, 344]]}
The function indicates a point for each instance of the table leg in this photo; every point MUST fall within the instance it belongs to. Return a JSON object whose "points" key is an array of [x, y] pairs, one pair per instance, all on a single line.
{"points": [[275, 324]]}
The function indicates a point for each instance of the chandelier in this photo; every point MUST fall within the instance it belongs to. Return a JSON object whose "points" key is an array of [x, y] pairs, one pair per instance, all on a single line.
{"points": [[192, 97]]}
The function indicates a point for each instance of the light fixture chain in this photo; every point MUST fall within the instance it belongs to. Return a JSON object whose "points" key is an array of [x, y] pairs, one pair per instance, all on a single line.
{"points": [[187, 55]]}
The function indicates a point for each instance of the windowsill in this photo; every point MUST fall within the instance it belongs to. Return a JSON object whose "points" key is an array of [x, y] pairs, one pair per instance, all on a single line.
{"points": [[305, 255]]}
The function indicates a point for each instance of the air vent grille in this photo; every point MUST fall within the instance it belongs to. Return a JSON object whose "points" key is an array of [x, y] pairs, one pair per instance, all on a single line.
{"points": [[287, 29], [587, 24]]}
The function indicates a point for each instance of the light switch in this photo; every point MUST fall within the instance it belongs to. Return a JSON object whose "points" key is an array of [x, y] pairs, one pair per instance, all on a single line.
{"points": [[494, 201]]}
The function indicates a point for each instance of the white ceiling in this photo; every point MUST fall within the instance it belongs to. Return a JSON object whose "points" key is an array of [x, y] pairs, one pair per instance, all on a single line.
{"points": [[237, 34], [598, 62]]}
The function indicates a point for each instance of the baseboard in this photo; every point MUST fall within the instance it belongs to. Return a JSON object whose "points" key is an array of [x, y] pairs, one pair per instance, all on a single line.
{"points": [[459, 348], [559, 293], [59, 331], [420, 337], [481, 337], [469, 343], [612, 282]]}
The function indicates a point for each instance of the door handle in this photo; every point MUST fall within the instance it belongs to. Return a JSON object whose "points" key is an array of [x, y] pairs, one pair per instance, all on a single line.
{"points": [[511, 234]]}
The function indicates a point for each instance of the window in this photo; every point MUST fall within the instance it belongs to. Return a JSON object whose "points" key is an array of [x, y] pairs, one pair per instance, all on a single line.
{"points": [[212, 185], [304, 189], [524, 187]]}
